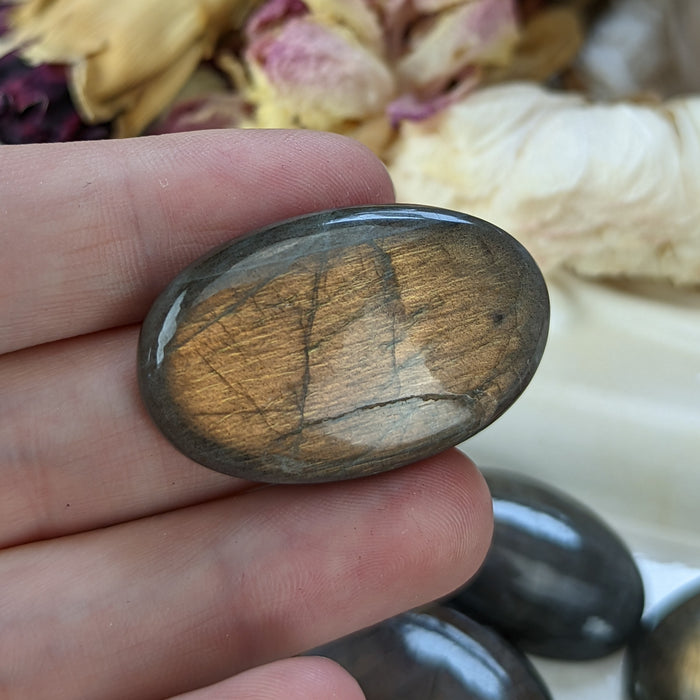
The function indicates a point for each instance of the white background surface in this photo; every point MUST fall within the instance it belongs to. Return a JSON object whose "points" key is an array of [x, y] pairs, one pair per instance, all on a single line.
{"points": [[612, 417]]}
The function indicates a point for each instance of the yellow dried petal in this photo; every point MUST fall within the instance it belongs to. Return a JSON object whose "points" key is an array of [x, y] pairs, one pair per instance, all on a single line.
{"points": [[376, 133], [481, 32], [145, 102]]}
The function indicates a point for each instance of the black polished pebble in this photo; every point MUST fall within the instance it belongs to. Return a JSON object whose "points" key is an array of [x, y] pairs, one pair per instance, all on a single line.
{"points": [[663, 661], [436, 654], [557, 580], [343, 343]]}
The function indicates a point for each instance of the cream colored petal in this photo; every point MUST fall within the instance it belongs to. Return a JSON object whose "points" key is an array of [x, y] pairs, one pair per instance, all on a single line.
{"points": [[392, 8]]}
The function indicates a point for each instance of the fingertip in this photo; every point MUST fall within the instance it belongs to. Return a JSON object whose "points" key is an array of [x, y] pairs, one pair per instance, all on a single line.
{"points": [[468, 509], [451, 502], [423, 531], [301, 678], [296, 170], [371, 178], [328, 679], [304, 170]]}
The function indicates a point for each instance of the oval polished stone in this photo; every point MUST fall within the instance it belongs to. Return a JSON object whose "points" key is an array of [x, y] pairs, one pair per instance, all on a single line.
{"points": [[343, 343], [557, 581], [663, 662], [438, 654]]}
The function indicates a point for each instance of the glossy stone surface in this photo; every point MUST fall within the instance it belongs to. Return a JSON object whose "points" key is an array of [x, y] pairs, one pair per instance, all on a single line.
{"points": [[557, 580], [343, 343], [438, 654], [663, 662]]}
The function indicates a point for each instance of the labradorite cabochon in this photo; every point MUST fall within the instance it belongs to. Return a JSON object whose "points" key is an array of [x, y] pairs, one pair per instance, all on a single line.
{"points": [[663, 661], [436, 654], [343, 343], [557, 580]]}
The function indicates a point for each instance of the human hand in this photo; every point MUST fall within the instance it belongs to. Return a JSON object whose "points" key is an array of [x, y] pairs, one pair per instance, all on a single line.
{"points": [[126, 570]]}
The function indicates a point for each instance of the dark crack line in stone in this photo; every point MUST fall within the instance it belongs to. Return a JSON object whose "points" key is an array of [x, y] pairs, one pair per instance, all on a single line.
{"points": [[392, 293], [308, 330], [233, 341], [381, 404], [346, 323], [230, 309], [213, 369], [433, 684], [238, 391]]}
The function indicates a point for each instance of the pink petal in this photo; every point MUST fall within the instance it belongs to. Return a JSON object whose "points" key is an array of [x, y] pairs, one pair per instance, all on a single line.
{"points": [[346, 79]]}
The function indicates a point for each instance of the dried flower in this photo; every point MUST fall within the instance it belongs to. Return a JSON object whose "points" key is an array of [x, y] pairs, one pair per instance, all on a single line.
{"points": [[332, 65], [124, 61], [35, 105], [603, 189], [307, 70]]}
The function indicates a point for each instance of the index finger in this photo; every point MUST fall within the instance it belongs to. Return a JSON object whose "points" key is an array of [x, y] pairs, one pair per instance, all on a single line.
{"points": [[92, 231]]}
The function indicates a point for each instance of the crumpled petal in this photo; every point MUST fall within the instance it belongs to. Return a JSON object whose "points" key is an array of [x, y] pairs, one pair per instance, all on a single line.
{"points": [[475, 33], [548, 44], [312, 74], [392, 9], [271, 14], [327, 64], [357, 15]]}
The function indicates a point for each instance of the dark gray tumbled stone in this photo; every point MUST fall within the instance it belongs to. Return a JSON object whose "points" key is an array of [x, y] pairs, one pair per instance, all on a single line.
{"points": [[438, 654], [663, 661], [343, 343], [557, 580]]}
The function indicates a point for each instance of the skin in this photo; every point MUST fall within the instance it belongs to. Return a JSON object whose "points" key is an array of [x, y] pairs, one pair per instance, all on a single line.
{"points": [[126, 570]]}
